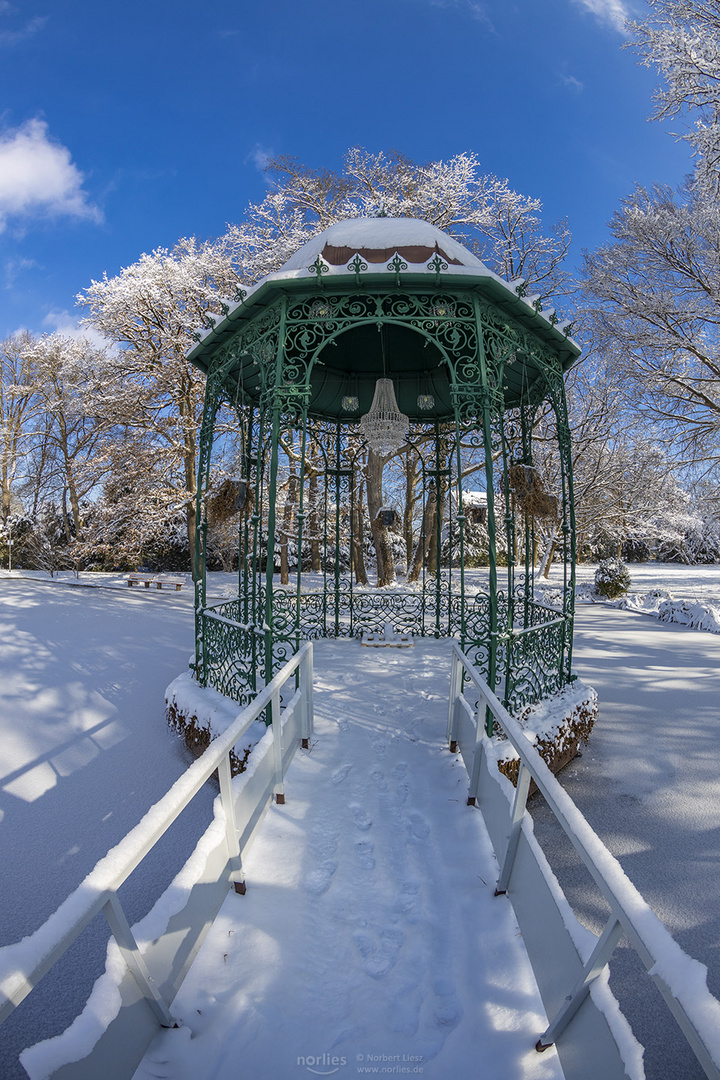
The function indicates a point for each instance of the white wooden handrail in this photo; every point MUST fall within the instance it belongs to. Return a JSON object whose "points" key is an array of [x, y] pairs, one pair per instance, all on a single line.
{"points": [[680, 979], [23, 964]]}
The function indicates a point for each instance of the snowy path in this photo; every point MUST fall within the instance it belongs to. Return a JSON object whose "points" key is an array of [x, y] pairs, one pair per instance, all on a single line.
{"points": [[369, 933], [84, 752], [649, 783]]}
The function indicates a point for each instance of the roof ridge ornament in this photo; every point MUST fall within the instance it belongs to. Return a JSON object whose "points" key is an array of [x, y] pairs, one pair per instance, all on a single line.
{"points": [[397, 263], [437, 264], [319, 267], [358, 265]]}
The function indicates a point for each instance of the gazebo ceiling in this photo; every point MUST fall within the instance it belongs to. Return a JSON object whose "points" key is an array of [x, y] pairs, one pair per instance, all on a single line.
{"points": [[398, 254]]}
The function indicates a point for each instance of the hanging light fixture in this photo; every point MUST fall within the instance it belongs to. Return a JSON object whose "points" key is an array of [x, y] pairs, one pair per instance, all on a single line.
{"points": [[384, 427]]}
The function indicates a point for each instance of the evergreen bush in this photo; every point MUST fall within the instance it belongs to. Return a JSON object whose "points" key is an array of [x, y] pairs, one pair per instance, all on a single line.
{"points": [[612, 578]]}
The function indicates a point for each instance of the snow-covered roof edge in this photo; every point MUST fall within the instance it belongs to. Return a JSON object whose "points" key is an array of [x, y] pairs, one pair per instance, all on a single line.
{"points": [[406, 233]]}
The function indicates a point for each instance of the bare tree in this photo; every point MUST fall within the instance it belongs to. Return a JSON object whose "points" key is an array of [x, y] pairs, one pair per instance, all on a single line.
{"points": [[654, 309], [18, 406], [70, 436], [152, 309], [681, 38]]}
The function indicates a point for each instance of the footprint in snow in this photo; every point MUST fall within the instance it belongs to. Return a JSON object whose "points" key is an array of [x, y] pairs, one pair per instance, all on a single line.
{"points": [[404, 1013], [448, 1011], [392, 941], [402, 791], [319, 880], [400, 769], [419, 828], [323, 841], [361, 819], [409, 905], [379, 956], [365, 851], [341, 774]]}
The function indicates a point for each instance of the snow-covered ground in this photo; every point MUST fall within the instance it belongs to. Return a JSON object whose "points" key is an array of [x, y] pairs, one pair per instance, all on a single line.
{"points": [[370, 934], [649, 784], [685, 582], [84, 752]]}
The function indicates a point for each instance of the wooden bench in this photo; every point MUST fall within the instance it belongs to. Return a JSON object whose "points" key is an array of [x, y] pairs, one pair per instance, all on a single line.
{"points": [[166, 579], [140, 579], [158, 580]]}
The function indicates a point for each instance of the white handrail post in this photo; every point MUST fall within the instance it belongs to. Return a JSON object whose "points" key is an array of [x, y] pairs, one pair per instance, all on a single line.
{"points": [[237, 874], [456, 674], [477, 752], [598, 961], [518, 813], [306, 682], [279, 789], [120, 930]]}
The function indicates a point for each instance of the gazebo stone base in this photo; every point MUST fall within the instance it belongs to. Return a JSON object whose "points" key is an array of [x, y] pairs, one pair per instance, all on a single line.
{"points": [[556, 727], [199, 713]]}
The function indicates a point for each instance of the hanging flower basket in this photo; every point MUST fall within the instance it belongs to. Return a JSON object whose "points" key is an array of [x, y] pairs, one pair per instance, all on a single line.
{"points": [[230, 498], [528, 487]]}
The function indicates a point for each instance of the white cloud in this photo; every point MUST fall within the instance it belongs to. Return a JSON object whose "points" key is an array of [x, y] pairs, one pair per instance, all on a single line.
{"points": [[38, 177], [613, 13], [68, 325], [14, 268], [260, 156], [476, 10], [572, 83], [31, 27]]}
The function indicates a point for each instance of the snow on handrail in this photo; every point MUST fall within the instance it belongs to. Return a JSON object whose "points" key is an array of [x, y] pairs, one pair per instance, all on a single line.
{"points": [[681, 980], [23, 963]]}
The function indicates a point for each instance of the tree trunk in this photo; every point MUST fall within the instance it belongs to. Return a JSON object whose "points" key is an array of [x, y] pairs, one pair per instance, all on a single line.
{"points": [[381, 540], [546, 563], [426, 533], [359, 539], [433, 556], [288, 514], [314, 516], [411, 463]]}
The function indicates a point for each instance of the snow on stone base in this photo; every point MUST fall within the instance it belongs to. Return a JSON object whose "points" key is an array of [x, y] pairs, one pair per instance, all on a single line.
{"points": [[555, 726], [199, 713]]}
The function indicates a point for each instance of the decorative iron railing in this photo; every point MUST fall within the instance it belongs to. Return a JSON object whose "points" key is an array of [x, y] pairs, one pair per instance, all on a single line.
{"points": [[524, 662], [232, 653]]}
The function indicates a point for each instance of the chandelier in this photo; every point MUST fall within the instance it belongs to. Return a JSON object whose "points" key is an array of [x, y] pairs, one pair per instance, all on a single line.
{"points": [[384, 427]]}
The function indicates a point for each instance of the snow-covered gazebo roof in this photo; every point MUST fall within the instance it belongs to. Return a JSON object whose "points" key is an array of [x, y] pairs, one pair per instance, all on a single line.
{"points": [[377, 240], [359, 258]]}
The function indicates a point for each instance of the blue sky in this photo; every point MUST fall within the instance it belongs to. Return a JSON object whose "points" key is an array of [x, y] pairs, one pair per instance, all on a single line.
{"points": [[126, 126]]}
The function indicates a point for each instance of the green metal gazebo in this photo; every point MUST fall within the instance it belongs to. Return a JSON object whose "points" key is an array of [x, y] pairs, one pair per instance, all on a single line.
{"points": [[384, 340]]}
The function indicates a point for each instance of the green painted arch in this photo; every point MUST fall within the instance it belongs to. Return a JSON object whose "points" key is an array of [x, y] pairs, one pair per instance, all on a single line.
{"points": [[352, 358]]}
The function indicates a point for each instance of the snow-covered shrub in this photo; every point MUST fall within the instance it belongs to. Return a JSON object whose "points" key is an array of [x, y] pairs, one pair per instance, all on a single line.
{"points": [[612, 578], [476, 545]]}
